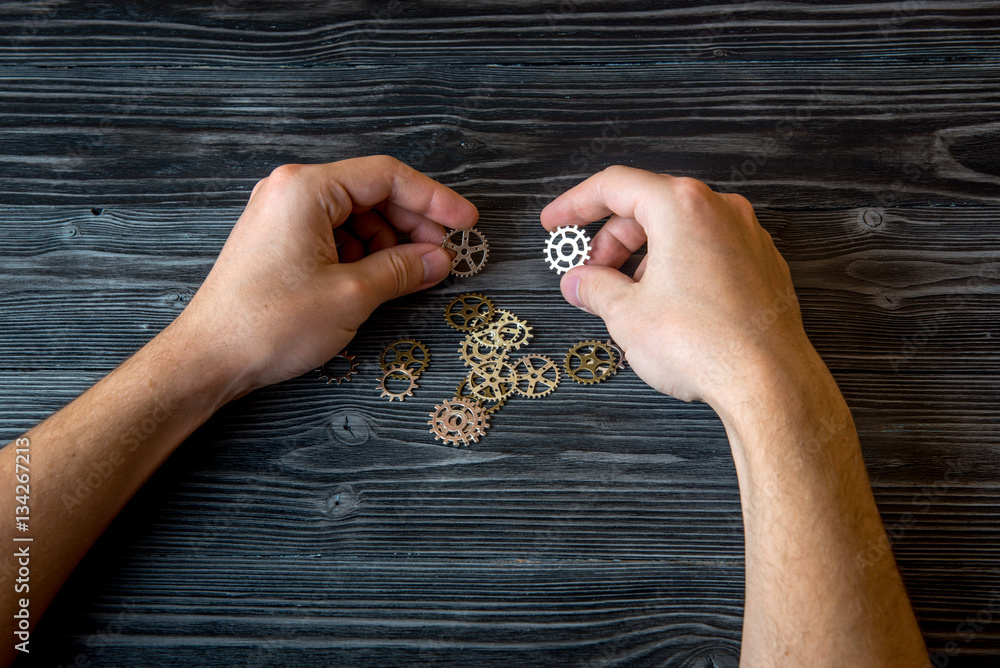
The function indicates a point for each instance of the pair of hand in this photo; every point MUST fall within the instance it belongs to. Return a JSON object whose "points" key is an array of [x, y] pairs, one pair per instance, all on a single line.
{"points": [[315, 252]]}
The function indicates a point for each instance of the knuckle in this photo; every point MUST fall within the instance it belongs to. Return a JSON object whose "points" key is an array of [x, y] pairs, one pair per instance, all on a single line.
{"points": [[691, 191], [285, 173]]}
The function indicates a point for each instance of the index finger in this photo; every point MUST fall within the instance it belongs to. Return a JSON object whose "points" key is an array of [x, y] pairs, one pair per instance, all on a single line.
{"points": [[616, 190], [409, 198]]}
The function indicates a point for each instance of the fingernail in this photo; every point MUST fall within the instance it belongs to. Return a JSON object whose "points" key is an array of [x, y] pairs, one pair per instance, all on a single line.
{"points": [[437, 265], [571, 291]]}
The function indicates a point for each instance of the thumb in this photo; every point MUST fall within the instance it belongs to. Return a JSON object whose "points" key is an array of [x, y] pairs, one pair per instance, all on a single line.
{"points": [[400, 270], [596, 289]]}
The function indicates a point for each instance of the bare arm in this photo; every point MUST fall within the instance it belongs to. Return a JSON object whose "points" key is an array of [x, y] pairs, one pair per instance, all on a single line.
{"points": [[711, 314], [309, 260]]}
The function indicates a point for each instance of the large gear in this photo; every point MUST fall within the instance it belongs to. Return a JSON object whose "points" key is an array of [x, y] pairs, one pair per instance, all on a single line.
{"points": [[471, 251], [535, 376], [401, 375], [590, 362], [489, 406], [347, 368], [474, 352], [493, 380], [405, 354], [568, 246], [507, 332], [458, 421], [469, 312]]}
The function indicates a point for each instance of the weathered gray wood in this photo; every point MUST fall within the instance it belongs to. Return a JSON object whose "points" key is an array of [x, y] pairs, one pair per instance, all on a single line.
{"points": [[319, 525]]}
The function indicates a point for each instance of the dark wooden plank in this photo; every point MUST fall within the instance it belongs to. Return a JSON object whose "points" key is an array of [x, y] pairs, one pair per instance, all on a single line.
{"points": [[791, 136], [521, 32]]}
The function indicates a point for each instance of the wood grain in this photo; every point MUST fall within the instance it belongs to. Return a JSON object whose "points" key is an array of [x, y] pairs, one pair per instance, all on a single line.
{"points": [[309, 524]]}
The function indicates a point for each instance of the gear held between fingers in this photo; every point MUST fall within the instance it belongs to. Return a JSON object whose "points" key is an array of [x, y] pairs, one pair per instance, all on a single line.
{"points": [[471, 251], [567, 247]]}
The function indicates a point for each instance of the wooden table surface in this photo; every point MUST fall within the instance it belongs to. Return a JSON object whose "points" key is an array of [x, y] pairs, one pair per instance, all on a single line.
{"points": [[319, 525]]}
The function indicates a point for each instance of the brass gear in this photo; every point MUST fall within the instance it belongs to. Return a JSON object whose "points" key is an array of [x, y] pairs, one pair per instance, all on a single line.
{"points": [[327, 373], [469, 312], [530, 374], [492, 380], [405, 354], [507, 331], [401, 374], [590, 362], [489, 407], [474, 352], [471, 251], [458, 421]]}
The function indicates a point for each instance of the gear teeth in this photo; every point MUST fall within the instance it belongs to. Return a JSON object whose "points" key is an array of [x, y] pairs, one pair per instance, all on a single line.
{"points": [[410, 354], [591, 368], [469, 316], [526, 383], [575, 239], [458, 421], [471, 251], [408, 392], [344, 377]]}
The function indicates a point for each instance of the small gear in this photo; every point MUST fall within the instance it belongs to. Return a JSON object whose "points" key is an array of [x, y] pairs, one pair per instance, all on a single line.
{"points": [[458, 421], [489, 407], [590, 362], [568, 246], [471, 251], [507, 332], [622, 364], [400, 375], [474, 352], [535, 376], [493, 380], [405, 354], [334, 369], [469, 312]]}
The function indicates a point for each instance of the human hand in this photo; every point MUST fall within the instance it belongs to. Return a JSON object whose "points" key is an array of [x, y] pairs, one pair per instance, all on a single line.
{"points": [[314, 253], [710, 307]]}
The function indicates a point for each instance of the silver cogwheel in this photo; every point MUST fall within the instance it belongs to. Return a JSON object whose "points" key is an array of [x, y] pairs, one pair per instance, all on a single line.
{"points": [[471, 251], [568, 246], [458, 421]]}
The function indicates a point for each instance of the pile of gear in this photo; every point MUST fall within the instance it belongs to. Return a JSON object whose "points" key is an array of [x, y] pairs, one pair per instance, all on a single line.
{"points": [[492, 336]]}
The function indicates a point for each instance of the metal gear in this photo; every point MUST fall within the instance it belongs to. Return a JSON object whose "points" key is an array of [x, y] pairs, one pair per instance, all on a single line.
{"points": [[568, 246], [622, 364], [492, 380], [489, 407], [474, 352], [405, 354], [458, 421], [507, 332], [329, 374], [590, 362], [469, 312], [532, 372], [471, 251], [398, 374]]}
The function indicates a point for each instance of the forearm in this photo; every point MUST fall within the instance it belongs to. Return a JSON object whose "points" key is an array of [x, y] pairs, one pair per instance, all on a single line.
{"points": [[808, 514], [87, 460]]}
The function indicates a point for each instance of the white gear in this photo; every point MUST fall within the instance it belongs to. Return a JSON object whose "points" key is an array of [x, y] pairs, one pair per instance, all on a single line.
{"points": [[567, 247]]}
